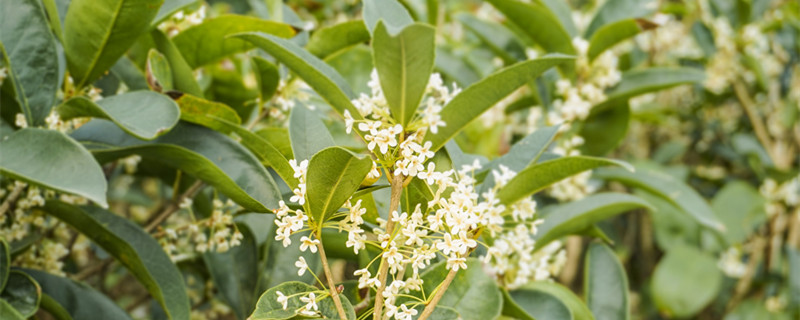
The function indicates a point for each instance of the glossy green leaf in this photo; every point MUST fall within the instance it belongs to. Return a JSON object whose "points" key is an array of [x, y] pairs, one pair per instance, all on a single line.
{"points": [[605, 284], [541, 175], [613, 33], [307, 133], [8, 312], [563, 11], [685, 281], [499, 39], [643, 81], [538, 22], [268, 307], [605, 129], [334, 174], [22, 293], [28, 44], [210, 41], [479, 97], [740, 207], [522, 154], [169, 8], [54, 308], [133, 248], [182, 76], [236, 282], [98, 32], [393, 14], [207, 113], [574, 217], [268, 78], [5, 263], [615, 10], [319, 76], [674, 191], [78, 300], [545, 300], [279, 138], [473, 294], [159, 74], [51, 159], [404, 61], [129, 73], [332, 39], [195, 150], [143, 114]]}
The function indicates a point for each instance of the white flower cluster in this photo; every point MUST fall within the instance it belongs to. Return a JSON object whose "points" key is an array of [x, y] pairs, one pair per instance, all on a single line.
{"points": [[670, 40], [781, 197], [181, 21], [730, 262], [287, 95], [290, 221], [310, 309], [46, 257], [513, 260], [216, 233]]}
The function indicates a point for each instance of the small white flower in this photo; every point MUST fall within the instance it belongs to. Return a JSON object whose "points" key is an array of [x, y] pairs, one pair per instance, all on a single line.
{"points": [[301, 265], [311, 302], [308, 243], [455, 263], [348, 121], [282, 299]]}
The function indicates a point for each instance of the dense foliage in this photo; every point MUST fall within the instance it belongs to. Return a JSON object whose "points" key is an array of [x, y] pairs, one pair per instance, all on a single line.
{"points": [[413, 159]]}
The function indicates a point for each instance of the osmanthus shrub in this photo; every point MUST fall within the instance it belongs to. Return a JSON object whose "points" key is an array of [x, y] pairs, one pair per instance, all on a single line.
{"points": [[383, 159]]}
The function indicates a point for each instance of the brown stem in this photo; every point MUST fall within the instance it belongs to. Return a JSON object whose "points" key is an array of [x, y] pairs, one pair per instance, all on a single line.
{"points": [[394, 202], [757, 247], [758, 125], [430, 306], [173, 206], [331, 285], [10, 199]]}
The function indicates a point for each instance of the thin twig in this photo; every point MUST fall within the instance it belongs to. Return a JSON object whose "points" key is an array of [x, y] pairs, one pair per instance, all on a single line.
{"points": [[438, 296], [394, 202], [11, 198], [173, 206], [756, 254], [332, 286], [758, 125]]}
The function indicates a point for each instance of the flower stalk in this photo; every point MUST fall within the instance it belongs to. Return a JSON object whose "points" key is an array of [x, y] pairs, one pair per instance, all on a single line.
{"points": [[394, 202], [329, 276]]}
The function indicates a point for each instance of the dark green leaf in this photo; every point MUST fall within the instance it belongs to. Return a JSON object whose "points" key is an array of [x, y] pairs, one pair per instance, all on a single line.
{"points": [[473, 294], [5, 263], [604, 129], [170, 7], [307, 133], [8, 312], [143, 114], [159, 74], [404, 61], [674, 191], [545, 300], [211, 41], [482, 95], [685, 281], [51, 159], [576, 216], [133, 248], [22, 293], [329, 40], [541, 175], [613, 33], [615, 10], [643, 81], [538, 22], [502, 42], [393, 14], [182, 76], [28, 44], [208, 155], [236, 282], [268, 78], [334, 174], [207, 113], [98, 32], [605, 284], [268, 307], [522, 154], [77, 299]]}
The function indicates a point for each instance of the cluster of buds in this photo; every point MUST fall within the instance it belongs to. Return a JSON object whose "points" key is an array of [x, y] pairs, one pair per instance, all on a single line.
{"points": [[217, 233]]}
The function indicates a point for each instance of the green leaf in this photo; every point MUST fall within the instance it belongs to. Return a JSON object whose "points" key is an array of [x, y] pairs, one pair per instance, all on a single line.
{"points": [[404, 61], [393, 14], [22, 293], [605, 128], [53, 308], [605, 284], [5, 263], [482, 95], [329, 40], [307, 133], [279, 138], [78, 300], [128, 72], [545, 300], [740, 207], [268, 78], [541, 175], [473, 294], [195, 150], [268, 307], [574, 217], [334, 174], [613, 33], [159, 74], [643, 81], [674, 191], [278, 261], [169, 8], [538, 22], [207, 113], [522, 154], [51, 159], [8, 312], [143, 114], [133, 248], [32, 67], [615, 10], [562, 10], [685, 281], [210, 41], [793, 256], [98, 32], [182, 76], [499, 39], [319, 76], [236, 282]]}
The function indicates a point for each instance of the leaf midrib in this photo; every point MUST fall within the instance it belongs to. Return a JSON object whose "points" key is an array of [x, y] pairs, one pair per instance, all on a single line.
{"points": [[103, 45], [335, 186]]}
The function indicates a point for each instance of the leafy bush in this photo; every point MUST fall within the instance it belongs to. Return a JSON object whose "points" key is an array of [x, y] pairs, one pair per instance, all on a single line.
{"points": [[231, 159]]}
